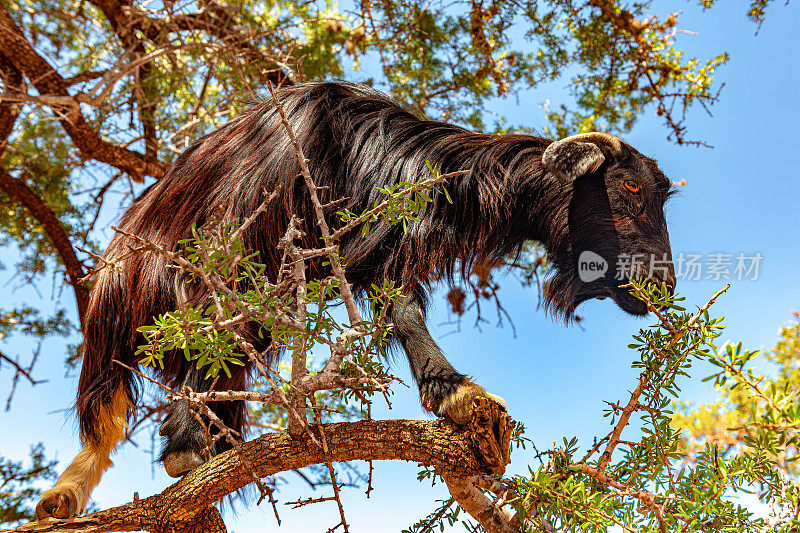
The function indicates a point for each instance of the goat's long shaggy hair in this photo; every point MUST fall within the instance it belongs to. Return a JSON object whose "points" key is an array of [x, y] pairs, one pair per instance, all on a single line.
{"points": [[357, 140]]}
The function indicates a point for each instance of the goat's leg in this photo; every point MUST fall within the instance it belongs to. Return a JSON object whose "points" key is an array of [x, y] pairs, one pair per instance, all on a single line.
{"points": [[71, 493], [443, 391], [186, 439], [185, 445]]}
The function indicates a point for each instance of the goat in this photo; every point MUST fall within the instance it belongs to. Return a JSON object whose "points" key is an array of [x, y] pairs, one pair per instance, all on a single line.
{"points": [[590, 192]]}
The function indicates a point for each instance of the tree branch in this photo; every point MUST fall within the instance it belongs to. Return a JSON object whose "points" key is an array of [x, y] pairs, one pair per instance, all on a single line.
{"points": [[19, 370], [479, 506], [146, 92], [38, 208], [455, 452], [47, 81], [12, 79]]}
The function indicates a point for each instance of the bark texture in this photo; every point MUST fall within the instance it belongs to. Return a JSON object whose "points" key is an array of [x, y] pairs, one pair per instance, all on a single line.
{"points": [[457, 452]]}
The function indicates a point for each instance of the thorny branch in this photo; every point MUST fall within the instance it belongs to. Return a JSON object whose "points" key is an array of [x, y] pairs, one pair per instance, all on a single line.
{"points": [[507, 496], [651, 500], [353, 313]]}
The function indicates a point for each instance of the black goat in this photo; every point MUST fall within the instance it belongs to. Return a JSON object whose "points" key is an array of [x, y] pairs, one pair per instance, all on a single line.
{"points": [[590, 192]]}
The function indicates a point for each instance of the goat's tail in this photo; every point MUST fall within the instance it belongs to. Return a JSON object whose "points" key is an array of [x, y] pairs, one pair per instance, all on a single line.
{"points": [[106, 390]]}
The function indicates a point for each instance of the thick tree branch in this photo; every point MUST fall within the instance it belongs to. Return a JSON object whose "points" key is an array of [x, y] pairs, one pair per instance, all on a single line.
{"points": [[479, 506], [38, 208], [12, 79], [47, 81], [453, 450]]}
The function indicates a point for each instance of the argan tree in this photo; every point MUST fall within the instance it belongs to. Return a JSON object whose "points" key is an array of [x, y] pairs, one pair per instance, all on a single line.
{"points": [[99, 96]]}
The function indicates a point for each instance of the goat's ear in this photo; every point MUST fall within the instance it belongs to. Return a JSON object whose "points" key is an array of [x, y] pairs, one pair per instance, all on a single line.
{"points": [[570, 159]]}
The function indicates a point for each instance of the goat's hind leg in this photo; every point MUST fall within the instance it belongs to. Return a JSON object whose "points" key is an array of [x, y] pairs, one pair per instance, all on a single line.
{"points": [[71, 493], [443, 390], [187, 439]]}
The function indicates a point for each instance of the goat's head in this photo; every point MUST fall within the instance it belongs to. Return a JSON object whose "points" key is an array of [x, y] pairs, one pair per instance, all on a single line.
{"points": [[610, 225]]}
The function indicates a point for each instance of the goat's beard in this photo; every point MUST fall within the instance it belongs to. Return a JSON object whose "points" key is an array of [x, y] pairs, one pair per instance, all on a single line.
{"points": [[565, 291], [562, 293]]}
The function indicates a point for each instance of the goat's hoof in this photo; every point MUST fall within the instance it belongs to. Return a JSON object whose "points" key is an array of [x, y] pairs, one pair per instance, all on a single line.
{"points": [[178, 463], [57, 503], [491, 431], [458, 405]]}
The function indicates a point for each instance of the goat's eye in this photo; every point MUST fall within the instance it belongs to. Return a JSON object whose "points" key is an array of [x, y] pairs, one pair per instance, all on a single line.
{"points": [[632, 186]]}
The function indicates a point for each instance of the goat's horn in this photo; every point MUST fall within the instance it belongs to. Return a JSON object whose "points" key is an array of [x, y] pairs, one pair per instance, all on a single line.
{"points": [[607, 138], [579, 154]]}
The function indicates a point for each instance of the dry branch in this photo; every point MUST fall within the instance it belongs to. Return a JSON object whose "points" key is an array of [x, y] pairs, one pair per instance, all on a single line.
{"points": [[449, 448]]}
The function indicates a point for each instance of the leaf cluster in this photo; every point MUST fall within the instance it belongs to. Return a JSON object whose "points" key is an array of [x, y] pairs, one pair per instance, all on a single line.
{"points": [[757, 412]]}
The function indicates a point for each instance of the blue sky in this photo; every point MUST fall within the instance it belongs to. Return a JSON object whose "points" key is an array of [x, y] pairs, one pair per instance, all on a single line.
{"points": [[742, 196]]}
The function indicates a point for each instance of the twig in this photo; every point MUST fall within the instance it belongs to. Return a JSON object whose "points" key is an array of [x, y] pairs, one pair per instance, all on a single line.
{"points": [[407, 193], [20, 370], [336, 265], [26, 372]]}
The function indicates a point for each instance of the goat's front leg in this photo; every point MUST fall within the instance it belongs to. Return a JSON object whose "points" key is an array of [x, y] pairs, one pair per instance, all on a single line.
{"points": [[443, 391]]}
